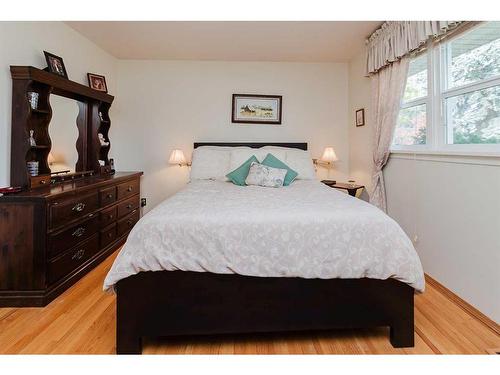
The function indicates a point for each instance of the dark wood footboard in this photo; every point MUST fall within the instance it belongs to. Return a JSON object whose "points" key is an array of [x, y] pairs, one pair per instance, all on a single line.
{"points": [[172, 303]]}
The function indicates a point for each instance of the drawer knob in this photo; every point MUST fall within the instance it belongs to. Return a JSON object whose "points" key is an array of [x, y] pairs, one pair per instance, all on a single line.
{"points": [[110, 234], [129, 221], [78, 255], [79, 232], [79, 207], [129, 188], [109, 196], [43, 182], [129, 206], [110, 216]]}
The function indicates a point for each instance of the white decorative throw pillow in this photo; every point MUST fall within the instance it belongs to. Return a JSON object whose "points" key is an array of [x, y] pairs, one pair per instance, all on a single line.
{"points": [[262, 175]]}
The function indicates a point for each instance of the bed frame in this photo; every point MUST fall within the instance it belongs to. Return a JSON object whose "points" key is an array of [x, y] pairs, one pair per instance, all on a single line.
{"points": [[174, 303]]}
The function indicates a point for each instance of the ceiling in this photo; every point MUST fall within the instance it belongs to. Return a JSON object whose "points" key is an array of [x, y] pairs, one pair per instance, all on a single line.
{"points": [[333, 41]]}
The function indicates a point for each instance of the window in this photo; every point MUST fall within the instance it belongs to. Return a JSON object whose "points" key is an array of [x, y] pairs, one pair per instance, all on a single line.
{"points": [[451, 100], [412, 119]]}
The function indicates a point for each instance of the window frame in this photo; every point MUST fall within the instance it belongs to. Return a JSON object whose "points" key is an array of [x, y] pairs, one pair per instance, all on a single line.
{"points": [[437, 131]]}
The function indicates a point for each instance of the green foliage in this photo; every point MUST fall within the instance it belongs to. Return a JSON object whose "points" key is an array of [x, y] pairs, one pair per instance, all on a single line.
{"points": [[476, 116]]}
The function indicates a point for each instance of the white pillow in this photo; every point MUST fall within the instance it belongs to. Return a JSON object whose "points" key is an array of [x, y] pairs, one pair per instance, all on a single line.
{"points": [[210, 163], [301, 162], [240, 155], [262, 175], [298, 160]]}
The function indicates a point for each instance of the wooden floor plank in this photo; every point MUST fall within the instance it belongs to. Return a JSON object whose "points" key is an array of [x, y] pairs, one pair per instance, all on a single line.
{"points": [[82, 320]]}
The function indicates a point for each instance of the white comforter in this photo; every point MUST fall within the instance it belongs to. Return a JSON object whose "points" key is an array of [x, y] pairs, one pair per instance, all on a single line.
{"points": [[304, 230]]}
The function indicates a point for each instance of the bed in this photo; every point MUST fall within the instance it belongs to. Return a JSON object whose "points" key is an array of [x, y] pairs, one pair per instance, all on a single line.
{"points": [[218, 258]]}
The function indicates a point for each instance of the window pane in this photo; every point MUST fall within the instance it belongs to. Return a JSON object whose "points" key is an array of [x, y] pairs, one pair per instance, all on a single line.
{"points": [[411, 127], [416, 83], [474, 117], [475, 56]]}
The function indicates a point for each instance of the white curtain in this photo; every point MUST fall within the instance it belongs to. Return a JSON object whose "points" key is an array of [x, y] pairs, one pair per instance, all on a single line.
{"points": [[395, 39], [387, 88]]}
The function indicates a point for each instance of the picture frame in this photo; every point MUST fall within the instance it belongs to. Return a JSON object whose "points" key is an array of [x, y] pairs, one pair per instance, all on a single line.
{"points": [[97, 82], [256, 109], [55, 64], [360, 117]]}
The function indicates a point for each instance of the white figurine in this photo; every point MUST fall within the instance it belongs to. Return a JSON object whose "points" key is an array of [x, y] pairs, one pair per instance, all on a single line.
{"points": [[32, 138], [102, 140]]}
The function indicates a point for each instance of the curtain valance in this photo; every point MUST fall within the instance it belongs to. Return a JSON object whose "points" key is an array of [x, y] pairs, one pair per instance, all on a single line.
{"points": [[395, 39]]}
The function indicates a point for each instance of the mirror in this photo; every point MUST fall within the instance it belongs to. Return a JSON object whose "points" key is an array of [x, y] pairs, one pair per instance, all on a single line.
{"points": [[63, 133]]}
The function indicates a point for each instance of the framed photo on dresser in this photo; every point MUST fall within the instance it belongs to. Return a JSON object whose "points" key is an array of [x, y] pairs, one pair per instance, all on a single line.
{"points": [[55, 64], [256, 109], [97, 82]]}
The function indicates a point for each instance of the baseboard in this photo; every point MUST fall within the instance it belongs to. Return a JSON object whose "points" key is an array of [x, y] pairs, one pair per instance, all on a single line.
{"points": [[468, 308], [22, 298]]}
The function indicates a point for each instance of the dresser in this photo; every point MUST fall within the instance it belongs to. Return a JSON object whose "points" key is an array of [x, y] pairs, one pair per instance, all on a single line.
{"points": [[52, 236]]}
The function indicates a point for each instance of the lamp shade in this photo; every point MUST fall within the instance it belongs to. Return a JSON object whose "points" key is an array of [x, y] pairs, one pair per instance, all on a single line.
{"points": [[329, 155], [177, 157]]}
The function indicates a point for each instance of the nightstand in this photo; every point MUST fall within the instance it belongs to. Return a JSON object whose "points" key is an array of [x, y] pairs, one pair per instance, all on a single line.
{"points": [[352, 189]]}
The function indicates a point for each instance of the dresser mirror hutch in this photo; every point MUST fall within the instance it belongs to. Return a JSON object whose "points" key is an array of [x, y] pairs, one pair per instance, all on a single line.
{"points": [[73, 210]]}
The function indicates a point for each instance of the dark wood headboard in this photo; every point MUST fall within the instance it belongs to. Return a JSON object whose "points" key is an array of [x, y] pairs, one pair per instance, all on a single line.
{"points": [[300, 146]]}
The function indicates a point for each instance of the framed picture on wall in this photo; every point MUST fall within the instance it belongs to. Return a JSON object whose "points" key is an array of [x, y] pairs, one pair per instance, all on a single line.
{"points": [[360, 117], [256, 109]]}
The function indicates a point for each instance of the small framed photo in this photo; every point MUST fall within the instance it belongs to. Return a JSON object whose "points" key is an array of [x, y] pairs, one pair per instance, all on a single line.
{"points": [[55, 64], [360, 117], [97, 82], [256, 109]]}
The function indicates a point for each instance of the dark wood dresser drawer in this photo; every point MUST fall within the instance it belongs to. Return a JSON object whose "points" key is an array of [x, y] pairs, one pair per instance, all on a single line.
{"points": [[68, 238], [65, 210], [125, 224], [52, 236], [127, 189], [65, 263], [107, 196], [108, 235], [108, 216], [127, 206]]}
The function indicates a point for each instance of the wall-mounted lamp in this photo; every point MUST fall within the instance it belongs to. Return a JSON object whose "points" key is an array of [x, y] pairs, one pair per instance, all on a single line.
{"points": [[329, 156], [177, 158], [327, 159]]}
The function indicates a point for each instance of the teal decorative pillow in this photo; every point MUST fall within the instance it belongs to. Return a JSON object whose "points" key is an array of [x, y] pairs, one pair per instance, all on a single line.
{"points": [[239, 175], [272, 161]]}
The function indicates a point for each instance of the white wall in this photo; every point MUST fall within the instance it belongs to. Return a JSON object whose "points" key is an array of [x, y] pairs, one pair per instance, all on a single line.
{"points": [[163, 105], [452, 205], [23, 43], [360, 137], [454, 209]]}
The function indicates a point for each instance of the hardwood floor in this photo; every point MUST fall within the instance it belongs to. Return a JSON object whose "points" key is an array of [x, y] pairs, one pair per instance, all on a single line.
{"points": [[82, 320]]}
